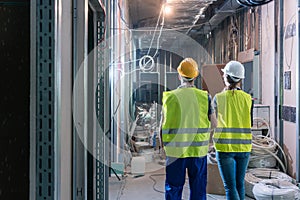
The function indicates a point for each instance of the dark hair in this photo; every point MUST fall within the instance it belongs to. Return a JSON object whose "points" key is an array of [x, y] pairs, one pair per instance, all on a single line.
{"points": [[187, 79], [232, 84]]}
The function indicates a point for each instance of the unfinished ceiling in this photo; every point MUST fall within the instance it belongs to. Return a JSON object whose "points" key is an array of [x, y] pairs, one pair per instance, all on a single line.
{"points": [[184, 14], [144, 13], [191, 17]]}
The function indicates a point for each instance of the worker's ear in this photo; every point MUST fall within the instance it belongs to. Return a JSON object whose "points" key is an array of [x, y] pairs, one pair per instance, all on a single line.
{"points": [[179, 77]]}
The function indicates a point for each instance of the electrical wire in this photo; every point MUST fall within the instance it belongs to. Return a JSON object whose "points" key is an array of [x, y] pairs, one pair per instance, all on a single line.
{"points": [[151, 58], [292, 45], [269, 148], [155, 30], [262, 144], [158, 38], [263, 160], [177, 28], [120, 192], [121, 15], [254, 176], [155, 182], [160, 14], [112, 117], [275, 189], [261, 122]]}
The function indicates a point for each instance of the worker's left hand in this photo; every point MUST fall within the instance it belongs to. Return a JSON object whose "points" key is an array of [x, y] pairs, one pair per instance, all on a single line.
{"points": [[162, 153], [211, 148]]}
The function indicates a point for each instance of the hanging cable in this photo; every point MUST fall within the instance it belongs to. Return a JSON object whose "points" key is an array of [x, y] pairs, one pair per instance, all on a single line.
{"points": [[177, 28], [156, 26], [146, 59], [122, 15], [158, 38]]}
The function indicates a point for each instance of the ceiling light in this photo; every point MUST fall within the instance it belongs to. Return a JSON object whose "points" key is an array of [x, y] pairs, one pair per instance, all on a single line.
{"points": [[167, 9]]}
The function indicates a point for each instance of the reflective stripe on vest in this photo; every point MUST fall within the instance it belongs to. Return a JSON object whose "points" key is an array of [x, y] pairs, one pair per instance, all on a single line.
{"points": [[232, 141], [233, 130], [185, 130], [186, 144], [233, 133], [186, 126]]}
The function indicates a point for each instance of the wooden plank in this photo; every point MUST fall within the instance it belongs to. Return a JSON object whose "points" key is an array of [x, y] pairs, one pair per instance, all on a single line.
{"points": [[246, 56]]}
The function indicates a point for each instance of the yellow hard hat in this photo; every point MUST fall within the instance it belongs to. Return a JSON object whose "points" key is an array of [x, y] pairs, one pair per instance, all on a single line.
{"points": [[188, 68]]}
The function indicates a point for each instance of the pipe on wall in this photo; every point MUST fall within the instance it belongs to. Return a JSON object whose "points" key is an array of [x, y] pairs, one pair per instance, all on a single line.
{"points": [[280, 70], [74, 62]]}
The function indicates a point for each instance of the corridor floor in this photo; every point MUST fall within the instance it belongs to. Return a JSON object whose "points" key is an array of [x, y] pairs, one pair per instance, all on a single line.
{"points": [[147, 187]]}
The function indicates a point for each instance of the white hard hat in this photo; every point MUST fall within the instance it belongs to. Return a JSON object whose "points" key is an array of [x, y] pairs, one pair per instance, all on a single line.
{"points": [[235, 70]]}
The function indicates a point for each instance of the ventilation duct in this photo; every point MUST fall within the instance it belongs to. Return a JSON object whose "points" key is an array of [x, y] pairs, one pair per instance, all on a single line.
{"points": [[252, 3], [226, 10]]}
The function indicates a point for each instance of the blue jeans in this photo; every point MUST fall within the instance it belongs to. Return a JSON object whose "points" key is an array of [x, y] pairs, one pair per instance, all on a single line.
{"points": [[175, 177], [232, 167]]}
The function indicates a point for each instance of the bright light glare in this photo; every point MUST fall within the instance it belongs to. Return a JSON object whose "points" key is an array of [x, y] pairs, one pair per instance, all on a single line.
{"points": [[167, 10]]}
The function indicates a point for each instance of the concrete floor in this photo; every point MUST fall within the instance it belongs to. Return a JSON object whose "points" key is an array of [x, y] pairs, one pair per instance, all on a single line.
{"points": [[149, 186]]}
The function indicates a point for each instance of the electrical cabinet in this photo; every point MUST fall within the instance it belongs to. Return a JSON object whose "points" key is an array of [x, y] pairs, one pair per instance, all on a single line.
{"points": [[261, 119]]}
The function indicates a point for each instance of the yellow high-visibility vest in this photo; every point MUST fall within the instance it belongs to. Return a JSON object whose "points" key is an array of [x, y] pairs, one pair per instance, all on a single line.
{"points": [[185, 128], [233, 133]]}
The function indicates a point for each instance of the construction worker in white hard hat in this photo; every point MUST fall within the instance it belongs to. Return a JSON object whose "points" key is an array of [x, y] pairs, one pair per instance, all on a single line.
{"points": [[185, 132], [232, 137]]}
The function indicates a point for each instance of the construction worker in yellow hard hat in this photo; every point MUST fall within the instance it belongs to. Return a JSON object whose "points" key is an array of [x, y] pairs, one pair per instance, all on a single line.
{"points": [[185, 132], [232, 137], [188, 68]]}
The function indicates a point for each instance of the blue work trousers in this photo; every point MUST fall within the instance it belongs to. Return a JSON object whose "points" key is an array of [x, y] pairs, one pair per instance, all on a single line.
{"points": [[176, 169], [232, 167]]}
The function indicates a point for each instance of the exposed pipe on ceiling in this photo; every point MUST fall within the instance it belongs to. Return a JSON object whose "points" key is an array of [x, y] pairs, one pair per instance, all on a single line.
{"points": [[227, 9], [252, 3]]}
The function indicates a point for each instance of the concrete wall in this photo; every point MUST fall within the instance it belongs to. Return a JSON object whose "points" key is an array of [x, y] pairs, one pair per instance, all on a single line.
{"points": [[268, 59], [289, 95], [270, 64]]}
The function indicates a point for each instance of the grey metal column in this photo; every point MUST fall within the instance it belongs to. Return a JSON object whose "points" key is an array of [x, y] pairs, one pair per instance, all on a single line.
{"points": [[101, 146], [45, 59], [63, 100], [33, 101], [281, 57], [80, 8]]}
